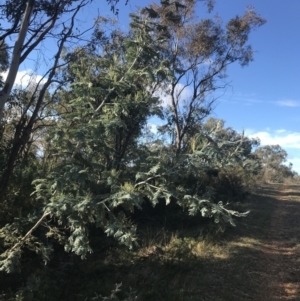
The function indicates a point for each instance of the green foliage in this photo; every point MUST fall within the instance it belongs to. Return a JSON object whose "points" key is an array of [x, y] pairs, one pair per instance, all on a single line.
{"points": [[95, 141], [199, 52], [94, 168], [81, 193], [272, 158], [10, 261], [3, 59]]}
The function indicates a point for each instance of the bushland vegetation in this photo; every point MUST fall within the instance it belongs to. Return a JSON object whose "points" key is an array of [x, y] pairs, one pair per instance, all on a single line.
{"points": [[81, 170]]}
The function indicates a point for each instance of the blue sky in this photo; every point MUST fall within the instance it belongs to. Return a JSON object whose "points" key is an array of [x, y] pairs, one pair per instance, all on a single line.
{"points": [[263, 99], [265, 96]]}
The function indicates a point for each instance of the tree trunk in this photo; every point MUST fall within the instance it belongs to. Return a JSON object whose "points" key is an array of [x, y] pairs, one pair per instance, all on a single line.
{"points": [[15, 62]]}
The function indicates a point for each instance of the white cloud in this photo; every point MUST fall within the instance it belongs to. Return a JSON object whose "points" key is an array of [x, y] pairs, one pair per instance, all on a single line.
{"points": [[282, 137], [152, 127], [252, 99], [288, 103], [230, 96], [289, 141], [24, 78], [183, 93]]}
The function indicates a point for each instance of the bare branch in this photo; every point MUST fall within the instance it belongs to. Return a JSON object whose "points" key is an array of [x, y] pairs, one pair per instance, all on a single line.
{"points": [[19, 244]]}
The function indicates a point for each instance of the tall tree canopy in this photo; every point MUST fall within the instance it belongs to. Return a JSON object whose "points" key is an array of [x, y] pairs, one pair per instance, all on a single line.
{"points": [[199, 52]]}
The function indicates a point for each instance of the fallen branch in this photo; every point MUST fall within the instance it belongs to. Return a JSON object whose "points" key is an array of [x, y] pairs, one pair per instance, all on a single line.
{"points": [[30, 231]]}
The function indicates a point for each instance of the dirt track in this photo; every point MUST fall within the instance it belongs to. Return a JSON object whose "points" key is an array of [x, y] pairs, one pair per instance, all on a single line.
{"points": [[280, 245]]}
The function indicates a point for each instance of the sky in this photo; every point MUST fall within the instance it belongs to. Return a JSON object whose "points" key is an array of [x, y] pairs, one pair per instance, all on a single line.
{"points": [[262, 99]]}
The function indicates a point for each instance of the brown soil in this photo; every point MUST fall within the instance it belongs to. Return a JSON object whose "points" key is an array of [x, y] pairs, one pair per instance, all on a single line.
{"points": [[280, 246]]}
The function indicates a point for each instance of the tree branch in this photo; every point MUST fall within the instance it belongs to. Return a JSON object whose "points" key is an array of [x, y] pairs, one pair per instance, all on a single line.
{"points": [[30, 231]]}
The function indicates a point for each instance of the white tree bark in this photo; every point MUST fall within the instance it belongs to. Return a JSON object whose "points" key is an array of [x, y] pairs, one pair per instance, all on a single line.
{"points": [[15, 61]]}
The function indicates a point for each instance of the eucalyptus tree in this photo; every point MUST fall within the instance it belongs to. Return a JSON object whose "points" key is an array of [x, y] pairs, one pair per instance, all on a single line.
{"points": [[199, 52], [273, 158]]}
